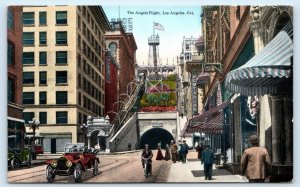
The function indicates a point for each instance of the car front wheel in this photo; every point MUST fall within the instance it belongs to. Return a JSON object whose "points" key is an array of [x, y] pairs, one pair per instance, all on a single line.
{"points": [[49, 173], [78, 173], [15, 163], [96, 168]]}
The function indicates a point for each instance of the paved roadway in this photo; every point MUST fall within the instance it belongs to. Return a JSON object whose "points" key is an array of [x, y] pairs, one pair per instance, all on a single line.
{"points": [[127, 168]]}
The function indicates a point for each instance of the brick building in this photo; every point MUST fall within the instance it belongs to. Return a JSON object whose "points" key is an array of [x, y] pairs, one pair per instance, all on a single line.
{"points": [[14, 81], [123, 47], [111, 84]]}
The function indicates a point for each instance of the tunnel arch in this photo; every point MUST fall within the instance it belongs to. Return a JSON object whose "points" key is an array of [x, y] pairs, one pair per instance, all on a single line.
{"points": [[155, 135]]}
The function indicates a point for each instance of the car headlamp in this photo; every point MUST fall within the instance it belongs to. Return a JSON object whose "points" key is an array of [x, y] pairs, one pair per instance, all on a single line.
{"points": [[54, 164], [68, 163]]}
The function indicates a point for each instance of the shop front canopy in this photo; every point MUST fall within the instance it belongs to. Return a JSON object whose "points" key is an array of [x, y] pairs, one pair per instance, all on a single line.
{"points": [[267, 71], [210, 121]]}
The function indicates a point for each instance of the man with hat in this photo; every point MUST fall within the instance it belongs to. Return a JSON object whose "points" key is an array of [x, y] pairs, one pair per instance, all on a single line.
{"points": [[255, 162]]}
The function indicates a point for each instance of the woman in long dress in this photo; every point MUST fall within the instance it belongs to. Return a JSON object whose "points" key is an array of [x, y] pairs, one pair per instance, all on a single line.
{"points": [[159, 155]]}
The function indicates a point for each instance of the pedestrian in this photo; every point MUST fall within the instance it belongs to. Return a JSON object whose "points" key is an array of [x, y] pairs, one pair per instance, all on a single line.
{"points": [[129, 146], [184, 151], [179, 154], [207, 160], [167, 153], [159, 155], [199, 149], [255, 162], [174, 149]]}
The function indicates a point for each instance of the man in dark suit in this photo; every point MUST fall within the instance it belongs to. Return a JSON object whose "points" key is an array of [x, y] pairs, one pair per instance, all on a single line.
{"points": [[208, 160]]}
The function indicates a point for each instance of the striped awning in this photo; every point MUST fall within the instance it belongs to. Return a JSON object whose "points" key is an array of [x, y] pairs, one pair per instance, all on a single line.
{"points": [[210, 121], [267, 70], [211, 126], [203, 78]]}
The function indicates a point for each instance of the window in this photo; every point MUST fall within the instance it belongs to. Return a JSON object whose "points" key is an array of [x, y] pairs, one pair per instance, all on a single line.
{"points": [[113, 48], [79, 22], [61, 57], [61, 117], [79, 80], [28, 38], [28, 18], [61, 77], [61, 97], [43, 117], [11, 92], [27, 116], [107, 71], [28, 78], [10, 20], [10, 53], [187, 46], [28, 58], [43, 77], [43, 38], [43, 58], [43, 18], [28, 97], [43, 97], [79, 99], [61, 37], [61, 17]]}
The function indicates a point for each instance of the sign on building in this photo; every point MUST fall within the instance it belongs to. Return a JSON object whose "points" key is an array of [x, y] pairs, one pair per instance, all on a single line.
{"points": [[127, 23]]}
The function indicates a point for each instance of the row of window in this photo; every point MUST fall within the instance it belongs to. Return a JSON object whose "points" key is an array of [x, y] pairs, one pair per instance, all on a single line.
{"points": [[61, 117], [61, 97], [88, 51], [91, 22], [61, 77], [28, 18], [89, 70], [61, 38], [89, 88], [61, 58], [90, 105]]}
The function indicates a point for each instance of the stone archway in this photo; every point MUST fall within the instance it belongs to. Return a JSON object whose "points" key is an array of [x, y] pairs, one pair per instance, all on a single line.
{"points": [[277, 22], [154, 136]]}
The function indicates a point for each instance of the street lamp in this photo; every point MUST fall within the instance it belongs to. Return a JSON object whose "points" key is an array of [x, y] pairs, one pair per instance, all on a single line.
{"points": [[34, 124], [84, 128]]}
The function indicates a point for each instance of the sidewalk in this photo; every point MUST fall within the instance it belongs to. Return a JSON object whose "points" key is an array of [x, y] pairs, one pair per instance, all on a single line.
{"points": [[192, 171]]}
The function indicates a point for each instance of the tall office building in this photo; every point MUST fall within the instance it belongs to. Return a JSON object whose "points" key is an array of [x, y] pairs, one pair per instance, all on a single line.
{"points": [[63, 70]]}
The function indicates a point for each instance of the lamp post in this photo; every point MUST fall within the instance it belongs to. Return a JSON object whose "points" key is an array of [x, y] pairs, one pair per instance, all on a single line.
{"points": [[34, 124], [84, 128]]}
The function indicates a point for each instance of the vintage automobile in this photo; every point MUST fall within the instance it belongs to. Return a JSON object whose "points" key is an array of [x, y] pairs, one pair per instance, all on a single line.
{"points": [[17, 157], [75, 160]]}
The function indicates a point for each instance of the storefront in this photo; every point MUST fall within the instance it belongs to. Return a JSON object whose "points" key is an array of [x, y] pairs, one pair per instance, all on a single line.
{"points": [[16, 133], [269, 73]]}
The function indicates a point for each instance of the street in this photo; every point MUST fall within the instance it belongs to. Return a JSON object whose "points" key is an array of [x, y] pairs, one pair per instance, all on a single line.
{"points": [[127, 168]]}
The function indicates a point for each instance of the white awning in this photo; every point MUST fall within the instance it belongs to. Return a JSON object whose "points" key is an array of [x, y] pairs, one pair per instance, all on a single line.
{"points": [[266, 71]]}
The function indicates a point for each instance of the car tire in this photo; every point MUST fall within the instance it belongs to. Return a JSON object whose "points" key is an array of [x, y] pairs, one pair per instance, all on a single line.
{"points": [[96, 168], [49, 173], [78, 173], [15, 163]]}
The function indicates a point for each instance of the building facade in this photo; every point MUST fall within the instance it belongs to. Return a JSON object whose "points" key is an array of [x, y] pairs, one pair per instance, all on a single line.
{"points": [[123, 48], [15, 120], [111, 84], [63, 70]]}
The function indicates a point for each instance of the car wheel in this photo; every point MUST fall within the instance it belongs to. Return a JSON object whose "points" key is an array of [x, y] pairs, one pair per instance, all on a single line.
{"points": [[96, 168], [49, 173], [15, 163], [78, 173]]}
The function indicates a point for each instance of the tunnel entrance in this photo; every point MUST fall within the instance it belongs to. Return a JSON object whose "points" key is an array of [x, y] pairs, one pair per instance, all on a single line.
{"points": [[153, 136]]}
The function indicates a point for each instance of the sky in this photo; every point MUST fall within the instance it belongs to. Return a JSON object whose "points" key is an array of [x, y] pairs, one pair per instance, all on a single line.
{"points": [[175, 27]]}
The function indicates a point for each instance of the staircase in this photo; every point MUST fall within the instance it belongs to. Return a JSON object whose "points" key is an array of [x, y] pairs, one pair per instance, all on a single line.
{"points": [[124, 111]]}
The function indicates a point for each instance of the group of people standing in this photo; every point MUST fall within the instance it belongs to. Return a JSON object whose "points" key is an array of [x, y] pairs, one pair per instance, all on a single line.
{"points": [[174, 152]]}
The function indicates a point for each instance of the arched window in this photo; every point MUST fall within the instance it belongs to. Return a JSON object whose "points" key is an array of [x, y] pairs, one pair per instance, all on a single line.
{"points": [[113, 48]]}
